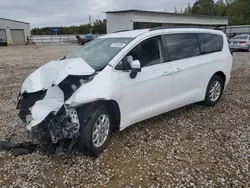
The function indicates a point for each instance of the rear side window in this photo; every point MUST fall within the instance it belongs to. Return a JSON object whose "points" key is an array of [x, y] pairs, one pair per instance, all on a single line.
{"points": [[182, 45], [210, 43]]}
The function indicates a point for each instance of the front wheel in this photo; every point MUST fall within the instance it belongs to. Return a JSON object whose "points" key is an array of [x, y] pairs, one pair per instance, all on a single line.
{"points": [[95, 133], [214, 91]]}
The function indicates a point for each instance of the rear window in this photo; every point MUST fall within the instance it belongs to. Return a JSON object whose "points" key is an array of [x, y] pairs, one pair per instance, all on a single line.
{"points": [[240, 37], [210, 43], [182, 45]]}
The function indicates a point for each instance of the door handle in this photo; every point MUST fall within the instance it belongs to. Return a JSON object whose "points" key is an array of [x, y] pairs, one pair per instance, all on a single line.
{"points": [[178, 70], [166, 73]]}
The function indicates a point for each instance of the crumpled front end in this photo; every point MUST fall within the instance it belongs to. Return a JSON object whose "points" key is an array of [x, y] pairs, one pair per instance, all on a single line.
{"points": [[50, 113], [41, 102]]}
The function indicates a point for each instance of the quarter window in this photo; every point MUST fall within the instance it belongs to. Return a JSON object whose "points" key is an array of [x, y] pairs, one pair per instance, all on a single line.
{"points": [[182, 45], [210, 43]]}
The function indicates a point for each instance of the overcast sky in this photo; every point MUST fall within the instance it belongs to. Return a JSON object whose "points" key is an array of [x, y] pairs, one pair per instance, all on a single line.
{"points": [[41, 13]]}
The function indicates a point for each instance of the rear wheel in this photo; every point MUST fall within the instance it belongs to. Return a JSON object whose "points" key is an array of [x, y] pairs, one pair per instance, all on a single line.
{"points": [[248, 49], [95, 133], [214, 91]]}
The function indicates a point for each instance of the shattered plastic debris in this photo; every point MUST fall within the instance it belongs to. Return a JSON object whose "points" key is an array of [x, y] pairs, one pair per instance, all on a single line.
{"points": [[41, 102], [18, 149], [52, 102]]}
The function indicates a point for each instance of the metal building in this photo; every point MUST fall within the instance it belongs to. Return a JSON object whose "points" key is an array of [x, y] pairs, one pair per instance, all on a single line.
{"points": [[139, 19], [13, 31], [237, 29]]}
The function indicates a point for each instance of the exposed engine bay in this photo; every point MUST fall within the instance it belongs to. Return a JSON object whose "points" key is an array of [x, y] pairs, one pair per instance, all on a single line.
{"points": [[41, 101]]}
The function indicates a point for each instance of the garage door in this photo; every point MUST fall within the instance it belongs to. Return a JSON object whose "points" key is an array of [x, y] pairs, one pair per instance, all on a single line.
{"points": [[3, 34], [17, 36]]}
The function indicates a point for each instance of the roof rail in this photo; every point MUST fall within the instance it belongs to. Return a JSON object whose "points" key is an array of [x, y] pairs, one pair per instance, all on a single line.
{"points": [[173, 27], [121, 31]]}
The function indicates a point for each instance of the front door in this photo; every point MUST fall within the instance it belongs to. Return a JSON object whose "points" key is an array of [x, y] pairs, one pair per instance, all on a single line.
{"points": [[150, 93]]}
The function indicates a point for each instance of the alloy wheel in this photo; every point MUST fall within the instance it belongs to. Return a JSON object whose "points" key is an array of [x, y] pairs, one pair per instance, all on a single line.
{"points": [[215, 91], [101, 130]]}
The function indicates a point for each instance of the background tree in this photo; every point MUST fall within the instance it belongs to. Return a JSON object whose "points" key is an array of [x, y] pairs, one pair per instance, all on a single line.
{"points": [[203, 7], [220, 8], [99, 26], [238, 11], [188, 10], [175, 10]]}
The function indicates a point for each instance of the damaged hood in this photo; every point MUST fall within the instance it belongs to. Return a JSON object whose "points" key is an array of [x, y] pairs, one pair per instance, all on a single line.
{"points": [[54, 72]]}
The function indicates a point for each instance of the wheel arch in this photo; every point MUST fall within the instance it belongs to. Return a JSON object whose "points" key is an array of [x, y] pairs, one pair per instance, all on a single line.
{"points": [[222, 75], [114, 110], [84, 112]]}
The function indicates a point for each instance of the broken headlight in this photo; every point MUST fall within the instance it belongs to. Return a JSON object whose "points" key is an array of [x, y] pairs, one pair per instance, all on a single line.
{"points": [[26, 101], [71, 83]]}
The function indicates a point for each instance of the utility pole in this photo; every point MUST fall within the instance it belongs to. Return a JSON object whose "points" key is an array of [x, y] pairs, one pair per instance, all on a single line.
{"points": [[90, 30]]}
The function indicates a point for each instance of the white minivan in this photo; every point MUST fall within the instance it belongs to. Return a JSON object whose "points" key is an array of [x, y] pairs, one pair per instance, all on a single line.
{"points": [[122, 78]]}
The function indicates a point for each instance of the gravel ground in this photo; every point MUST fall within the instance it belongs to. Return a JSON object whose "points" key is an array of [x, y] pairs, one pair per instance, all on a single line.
{"points": [[193, 146]]}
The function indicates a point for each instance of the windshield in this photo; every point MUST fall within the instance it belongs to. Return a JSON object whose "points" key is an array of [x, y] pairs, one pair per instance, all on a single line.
{"points": [[240, 37], [99, 52]]}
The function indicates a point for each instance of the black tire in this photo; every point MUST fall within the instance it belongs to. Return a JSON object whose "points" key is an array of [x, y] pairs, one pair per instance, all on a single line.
{"points": [[248, 49], [85, 142], [208, 101]]}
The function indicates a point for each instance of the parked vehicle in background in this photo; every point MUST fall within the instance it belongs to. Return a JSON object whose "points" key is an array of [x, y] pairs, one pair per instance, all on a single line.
{"points": [[89, 37], [240, 42], [29, 41], [123, 78], [79, 39], [3, 42]]}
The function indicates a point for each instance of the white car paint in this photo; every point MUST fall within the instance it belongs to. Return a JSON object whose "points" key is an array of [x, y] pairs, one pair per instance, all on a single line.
{"points": [[155, 90], [127, 34], [159, 88], [148, 94], [191, 75]]}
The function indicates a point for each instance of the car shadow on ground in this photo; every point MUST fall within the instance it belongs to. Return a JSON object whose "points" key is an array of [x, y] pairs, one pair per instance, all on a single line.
{"points": [[240, 50], [170, 115]]}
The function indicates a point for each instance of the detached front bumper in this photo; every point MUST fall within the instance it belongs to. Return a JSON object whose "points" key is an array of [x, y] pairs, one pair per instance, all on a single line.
{"points": [[48, 116]]}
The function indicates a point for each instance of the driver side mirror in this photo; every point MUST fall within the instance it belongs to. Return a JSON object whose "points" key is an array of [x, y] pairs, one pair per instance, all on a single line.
{"points": [[135, 68]]}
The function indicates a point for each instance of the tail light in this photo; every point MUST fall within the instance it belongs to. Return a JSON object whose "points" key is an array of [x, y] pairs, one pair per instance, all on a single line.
{"points": [[243, 42]]}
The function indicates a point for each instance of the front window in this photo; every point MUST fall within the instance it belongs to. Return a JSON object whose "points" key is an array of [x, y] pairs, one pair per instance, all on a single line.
{"points": [[100, 51], [148, 52]]}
